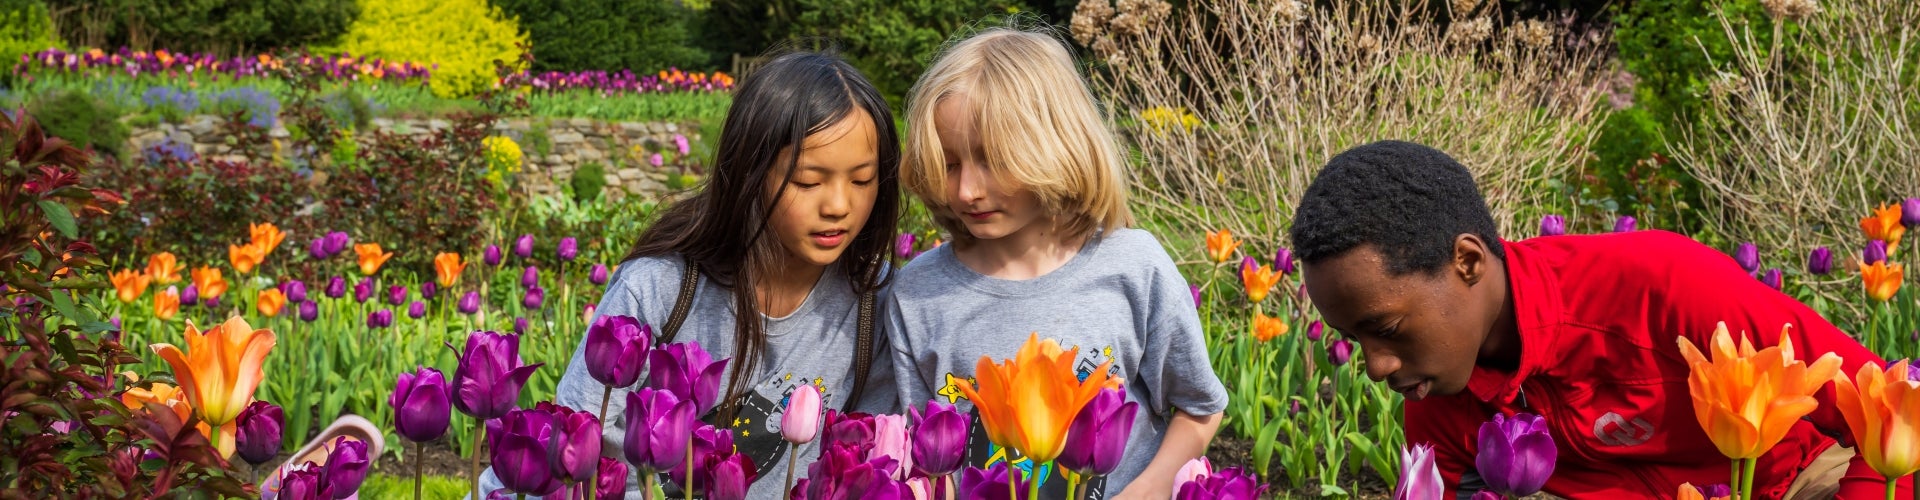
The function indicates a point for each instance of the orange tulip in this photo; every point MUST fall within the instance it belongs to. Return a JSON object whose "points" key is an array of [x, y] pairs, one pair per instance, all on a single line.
{"points": [[1884, 225], [173, 399], [1220, 245], [1883, 409], [245, 257], [266, 237], [1690, 492], [208, 282], [1259, 280], [166, 304], [1745, 399], [164, 268], [1265, 328], [1882, 280], [1027, 402], [270, 302], [130, 284], [448, 267], [371, 257], [221, 367]]}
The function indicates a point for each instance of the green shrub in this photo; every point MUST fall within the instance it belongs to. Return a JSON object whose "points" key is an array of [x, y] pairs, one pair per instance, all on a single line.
{"points": [[24, 28], [642, 35], [227, 27], [87, 122], [464, 37], [588, 181]]}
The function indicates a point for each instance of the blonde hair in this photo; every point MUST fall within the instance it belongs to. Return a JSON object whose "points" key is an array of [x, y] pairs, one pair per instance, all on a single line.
{"points": [[1038, 123]]}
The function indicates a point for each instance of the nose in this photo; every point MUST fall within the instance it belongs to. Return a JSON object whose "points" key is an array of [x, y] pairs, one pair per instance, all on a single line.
{"points": [[969, 183], [838, 202], [1380, 363]]}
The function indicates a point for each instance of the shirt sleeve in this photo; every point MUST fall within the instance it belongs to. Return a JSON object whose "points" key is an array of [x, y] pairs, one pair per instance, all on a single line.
{"points": [[909, 386], [1174, 364]]}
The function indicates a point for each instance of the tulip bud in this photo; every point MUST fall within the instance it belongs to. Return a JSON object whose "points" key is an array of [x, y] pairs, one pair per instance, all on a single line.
{"points": [[1283, 261], [309, 311], [1772, 278], [421, 405], [363, 290], [1553, 225], [530, 278], [1910, 213], [1624, 224], [1196, 295], [599, 274], [380, 319], [523, 247], [492, 257], [569, 248], [336, 287], [1875, 253], [417, 310], [257, 432], [1748, 256], [1340, 352], [800, 423], [903, 246], [1516, 454], [429, 289], [939, 439], [470, 303], [1097, 438], [295, 290], [519, 326], [1314, 330], [318, 249], [1420, 475], [397, 294], [534, 298], [190, 296], [1820, 262], [346, 467]]}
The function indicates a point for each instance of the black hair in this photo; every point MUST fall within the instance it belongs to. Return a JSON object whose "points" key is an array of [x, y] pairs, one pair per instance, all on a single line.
{"points": [[1407, 200], [723, 227]]}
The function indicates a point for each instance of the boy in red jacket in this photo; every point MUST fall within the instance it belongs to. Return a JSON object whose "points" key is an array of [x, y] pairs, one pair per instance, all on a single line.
{"points": [[1402, 256]]}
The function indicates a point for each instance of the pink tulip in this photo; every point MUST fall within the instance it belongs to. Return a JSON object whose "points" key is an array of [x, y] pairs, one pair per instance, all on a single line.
{"points": [[801, 422]]}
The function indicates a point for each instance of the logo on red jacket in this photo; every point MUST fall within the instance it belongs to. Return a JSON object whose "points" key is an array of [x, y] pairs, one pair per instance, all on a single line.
{"points": [[1614, 430]]}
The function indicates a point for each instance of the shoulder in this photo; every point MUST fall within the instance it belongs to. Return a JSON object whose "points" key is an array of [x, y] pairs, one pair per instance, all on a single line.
{"points": [[1651, 254], [1135, 254], [922, 275], [648, 272]]}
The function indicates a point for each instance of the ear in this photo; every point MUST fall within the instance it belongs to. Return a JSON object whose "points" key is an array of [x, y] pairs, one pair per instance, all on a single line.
{"points": [[1470, 258]]}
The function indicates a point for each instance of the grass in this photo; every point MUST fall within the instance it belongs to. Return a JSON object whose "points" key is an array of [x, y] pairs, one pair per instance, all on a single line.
{"points": [[435, 487]]}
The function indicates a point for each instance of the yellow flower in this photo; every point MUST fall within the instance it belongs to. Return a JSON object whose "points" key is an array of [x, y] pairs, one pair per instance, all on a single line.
{"points": [[220, 368], [1883, 410], [1162, 118], [1027, 402], [129, 284], [164, 268], [1882, 280], [1884, 225], [1746, 400], [371, 258]]}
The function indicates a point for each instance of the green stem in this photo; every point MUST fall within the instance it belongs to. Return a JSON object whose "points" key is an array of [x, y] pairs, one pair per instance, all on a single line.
{"points": [[1890, 486], [793, 460], [1033, 483], [1013, 480], [1735, 481], [606, 397], [1746, 478], [479, 435], [419, 456]]}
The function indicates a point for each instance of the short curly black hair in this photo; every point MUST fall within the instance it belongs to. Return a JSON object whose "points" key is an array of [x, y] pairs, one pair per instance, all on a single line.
{"points": [[1407, 200]]}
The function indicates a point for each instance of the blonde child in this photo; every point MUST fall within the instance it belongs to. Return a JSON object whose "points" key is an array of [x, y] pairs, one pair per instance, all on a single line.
{"points": [[1010, 153]]}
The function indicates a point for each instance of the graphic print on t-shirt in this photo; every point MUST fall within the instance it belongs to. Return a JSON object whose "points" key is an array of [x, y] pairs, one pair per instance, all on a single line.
{"points": [[983, 453], [756, 421]]}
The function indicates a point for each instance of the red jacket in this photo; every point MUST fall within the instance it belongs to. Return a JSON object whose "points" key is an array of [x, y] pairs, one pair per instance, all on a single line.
{"points": [[1599, 316]]}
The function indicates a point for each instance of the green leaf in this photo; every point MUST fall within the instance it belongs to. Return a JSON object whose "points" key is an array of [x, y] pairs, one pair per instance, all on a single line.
{"points": [[1329, 490], [78, 283], [60, 217], [63, 343]]}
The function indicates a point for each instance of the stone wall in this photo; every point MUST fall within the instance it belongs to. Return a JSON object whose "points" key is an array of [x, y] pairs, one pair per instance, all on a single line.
{"points": [[619, 147]]}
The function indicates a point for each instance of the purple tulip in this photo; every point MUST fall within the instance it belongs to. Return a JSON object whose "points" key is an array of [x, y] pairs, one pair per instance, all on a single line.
{"points": [[1315, 331], [658, 423], [190, 296], [346, 467], [1196, 295], [1516, 454], [1910, 213], [1247, 263], [854, 429], [1283, 261], [338, 242], [939, 439], [686, 369], [523, 247], [1097, 438], [1340, 352], [417, 309], [1419, 474], [712, 448], [616, 349], [363, 290], [903, 246], [1721, 490], [534, 297], [488, 379], [530, 278], [295, 290], [729, 479], [842, 471], [1772, 278], [257, 432], [470, 303], [380, 319], [1553, 225], [492, 257], [573, 449], [1876, 252], [519, 444], [1820, 262], [613, 478], [519, 326], [309, 311], [1624, 224], [599, 274], [1748, 256], [211, 303], [304, 483], [1229, 484], [421, 409], [990, 484], [429, 289], [1487, 495], [568, 249], [336, 287], [397, 294], [318, 249]]}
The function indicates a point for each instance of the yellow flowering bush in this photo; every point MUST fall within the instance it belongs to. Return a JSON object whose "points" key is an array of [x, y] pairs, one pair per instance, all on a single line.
{"points": [[1161, 118], [460, 38], [504, 158]]}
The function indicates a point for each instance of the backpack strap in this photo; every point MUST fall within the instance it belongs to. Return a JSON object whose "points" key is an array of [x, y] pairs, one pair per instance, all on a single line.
{"points": [[863, 355], [689, 283]]}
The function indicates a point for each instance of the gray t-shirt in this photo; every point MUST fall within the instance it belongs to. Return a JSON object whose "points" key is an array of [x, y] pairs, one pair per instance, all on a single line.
{"points": [[813, 345], [1120, 299]]}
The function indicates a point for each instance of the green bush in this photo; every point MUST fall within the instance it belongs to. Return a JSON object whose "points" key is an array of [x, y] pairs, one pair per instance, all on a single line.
{"points": [[25, 28], [227, 27], [466, 38], [1673, 47], [588, 181], [87, 122], [573, 35]]}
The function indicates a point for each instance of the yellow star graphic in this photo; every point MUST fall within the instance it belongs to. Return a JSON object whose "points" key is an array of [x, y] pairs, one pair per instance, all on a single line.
{"points": [[952, 389]]}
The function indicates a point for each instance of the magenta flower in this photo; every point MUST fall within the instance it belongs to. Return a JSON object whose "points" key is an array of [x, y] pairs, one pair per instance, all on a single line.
{"points": [[688, 370], [573, 448], [1748, 256], [518, 441], [346, 467], [1097, 438], [658, 423], [1820, 261], [492, 256], [1230, 484], [257, 434], [616, 349], [599, 274], [523, 247], [939, 439], [421, 405], [1516, 454], [417, 309], [569, 248], [470, 303], [1553, 225], [489, 377]]}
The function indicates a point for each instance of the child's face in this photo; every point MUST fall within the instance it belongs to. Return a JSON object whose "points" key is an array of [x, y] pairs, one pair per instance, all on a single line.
{"points": [[975, 196], [1422, 334], [831, 193]]}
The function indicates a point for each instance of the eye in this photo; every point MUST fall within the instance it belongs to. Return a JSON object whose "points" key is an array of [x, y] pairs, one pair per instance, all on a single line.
{"points": [[804, 185], [863, 182]]}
